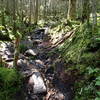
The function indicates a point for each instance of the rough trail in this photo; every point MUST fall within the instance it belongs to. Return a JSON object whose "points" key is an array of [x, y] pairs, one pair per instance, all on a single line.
{"points": [[43, 69]]}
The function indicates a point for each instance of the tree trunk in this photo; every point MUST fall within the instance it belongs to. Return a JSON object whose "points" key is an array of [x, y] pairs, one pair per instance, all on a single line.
{"points": [[16, 53], [86, 11], [36, 12], [72, 10], [3, 13], [45, 9], [30, 15], [94, 15]]}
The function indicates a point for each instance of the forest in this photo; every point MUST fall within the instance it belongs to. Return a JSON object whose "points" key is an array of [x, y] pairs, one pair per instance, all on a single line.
{"points": [[49, 49]]}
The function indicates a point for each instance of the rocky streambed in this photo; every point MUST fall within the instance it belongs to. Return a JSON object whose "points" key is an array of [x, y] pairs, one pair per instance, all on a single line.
{"points": [[42, 70]]}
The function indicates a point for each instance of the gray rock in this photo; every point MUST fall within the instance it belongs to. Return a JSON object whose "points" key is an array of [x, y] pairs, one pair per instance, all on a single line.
{"points": [[31, 52], [37, 83], [38, 64], [22, 64], [26, 73], [10, 64], [9, 59]]}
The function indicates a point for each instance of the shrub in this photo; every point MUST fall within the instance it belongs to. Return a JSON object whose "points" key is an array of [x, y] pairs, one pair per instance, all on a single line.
{"points": [[10, 83]]}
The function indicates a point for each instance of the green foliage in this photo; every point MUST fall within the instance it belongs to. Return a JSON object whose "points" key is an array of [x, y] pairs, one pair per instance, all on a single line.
{"points": [[22, 48], [82, 53], [10, 83]]}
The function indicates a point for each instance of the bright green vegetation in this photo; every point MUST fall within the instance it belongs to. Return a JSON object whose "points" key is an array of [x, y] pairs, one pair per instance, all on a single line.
{"points": [[80, 51], [82, 54], [10, 83]]}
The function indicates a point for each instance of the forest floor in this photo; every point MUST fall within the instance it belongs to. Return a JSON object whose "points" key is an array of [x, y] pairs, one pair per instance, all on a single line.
{"points": [[59, 64]]}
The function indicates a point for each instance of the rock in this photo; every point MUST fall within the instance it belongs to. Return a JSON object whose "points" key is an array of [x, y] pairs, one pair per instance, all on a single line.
{"points": [[22, 64], [37, 41], [26, 73], [37, 84], [9, 59], [31, 52], [27, 67], [7, 52], [24, 68], [10, 64], [39, 63], [38, 34], [4, 57]]}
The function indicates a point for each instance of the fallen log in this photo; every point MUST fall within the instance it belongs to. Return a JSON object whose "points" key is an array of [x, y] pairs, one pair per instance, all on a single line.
{"points": [[60, 41]]}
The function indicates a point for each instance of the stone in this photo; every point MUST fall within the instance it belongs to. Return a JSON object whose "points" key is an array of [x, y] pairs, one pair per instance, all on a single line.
{"points": [[9, 59], [36, 81], [22, 64], [10, 64], [39, 63], [37, 41], [31, 52], [26, 73], [38, 34], [4, 57]]}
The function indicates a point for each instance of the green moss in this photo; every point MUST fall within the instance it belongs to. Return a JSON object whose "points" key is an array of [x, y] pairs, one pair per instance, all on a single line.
{"points": [[10, 83]]}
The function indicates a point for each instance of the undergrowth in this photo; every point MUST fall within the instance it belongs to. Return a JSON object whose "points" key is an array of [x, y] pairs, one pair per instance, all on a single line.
{"points": [[10, 83], [82, 53]]}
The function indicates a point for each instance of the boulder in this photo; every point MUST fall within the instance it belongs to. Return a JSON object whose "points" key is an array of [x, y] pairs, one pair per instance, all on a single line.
{"points": [[31, 52], [36, 82]]}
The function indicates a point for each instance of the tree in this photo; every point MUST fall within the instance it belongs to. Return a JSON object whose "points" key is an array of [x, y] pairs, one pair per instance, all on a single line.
{"points": [[30, 14], [72, 10], [17, 40], [94, 15], [86, 11], [3, 13], [36, 12]]}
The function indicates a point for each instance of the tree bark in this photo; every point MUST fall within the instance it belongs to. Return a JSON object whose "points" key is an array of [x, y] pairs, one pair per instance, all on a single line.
{"points": [[17, 40], [30, 15], [72, 10], [94, 14], [86, 11], [36, 12]]}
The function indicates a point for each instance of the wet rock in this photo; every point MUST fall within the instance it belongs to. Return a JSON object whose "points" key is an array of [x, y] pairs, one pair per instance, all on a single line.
{"points": [[38, 34], [27, 67], [4, 57], [50, 70], [26, 73], [31, 52], [42, 56], [39, 63], [9, 64], [5, 51], [9, 59], [22, 64], [37, 41], [36, 83]]}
